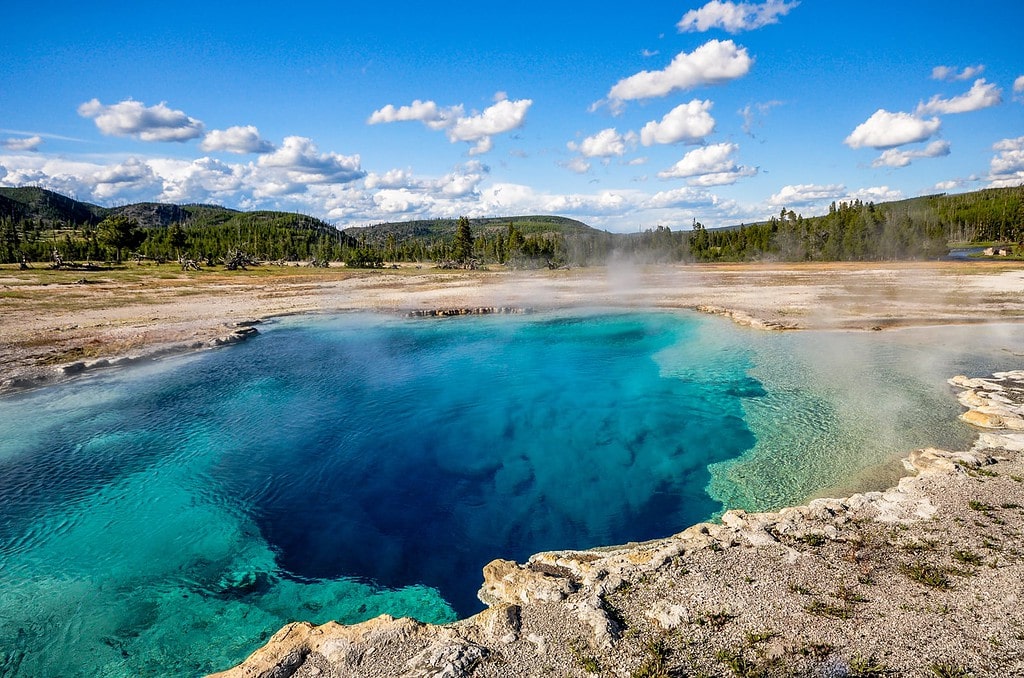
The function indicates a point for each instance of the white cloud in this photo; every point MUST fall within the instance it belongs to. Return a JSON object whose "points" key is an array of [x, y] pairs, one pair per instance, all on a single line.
{"points": [[577, 165], [876, 194], [895, 157], [750, 114], [18, 144], [712, 165], [981, 95], [426, 112], [132, 119], [1007, 166], [201, 180], [604, 144], [887, 130], [687, 123], [236, 139], [503, 116], [399, 201], [395, 178], [462, 182], [948, 185], [680, 197], [712, 63], [805, 194], [722, 178], [734, 17], [133, 177], [1018, 89], [298, 162], [949, 73], [480, 128]]}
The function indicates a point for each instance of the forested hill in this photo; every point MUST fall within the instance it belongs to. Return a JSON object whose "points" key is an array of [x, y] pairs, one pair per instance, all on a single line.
{"points": [[916, 228], [35, 222], [438, 229], [525, 241]]}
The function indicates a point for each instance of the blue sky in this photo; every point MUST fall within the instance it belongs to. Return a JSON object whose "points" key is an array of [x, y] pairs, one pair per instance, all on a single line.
{"points": [[625, 117]]}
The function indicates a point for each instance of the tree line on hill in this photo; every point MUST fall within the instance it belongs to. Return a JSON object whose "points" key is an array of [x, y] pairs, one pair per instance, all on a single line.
{"points": [[36, 225]]}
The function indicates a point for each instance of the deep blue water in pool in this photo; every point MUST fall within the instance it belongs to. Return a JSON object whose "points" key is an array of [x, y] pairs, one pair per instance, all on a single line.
{"points": [[164, 520]]}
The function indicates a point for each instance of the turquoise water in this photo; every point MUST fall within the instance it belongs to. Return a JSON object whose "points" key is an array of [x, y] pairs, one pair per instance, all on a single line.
{"points": [[165, 520]]}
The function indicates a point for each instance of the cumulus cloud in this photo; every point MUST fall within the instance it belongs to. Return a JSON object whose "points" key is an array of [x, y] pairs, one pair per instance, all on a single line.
{"points": [[805, 194], [876, 194], [236, 139], [132, 177], [298, 162], [201, 180], [949, 185], [680, 197], [399, 201], [396, 178], [20, 144], [713, 165], [479, 129], [1007, 166], [896, 158], [981, 95], [712, 63], [1018, 89], [577, 165], [462, 182], [131, 118], [686, 123], [604, 144], [503, 116], [734, 17], [888, 130], [950, 73], [427, 112]]}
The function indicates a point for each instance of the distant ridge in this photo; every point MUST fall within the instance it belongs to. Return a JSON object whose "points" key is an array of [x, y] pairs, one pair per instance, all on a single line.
{"points": [[441, 229]]}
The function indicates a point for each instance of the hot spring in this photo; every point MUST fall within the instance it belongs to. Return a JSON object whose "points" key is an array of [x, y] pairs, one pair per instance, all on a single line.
{"points": [[168, 518]]}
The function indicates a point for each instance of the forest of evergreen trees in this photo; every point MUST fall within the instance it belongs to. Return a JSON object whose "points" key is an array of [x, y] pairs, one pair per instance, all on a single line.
{"points": [[35, 223]]}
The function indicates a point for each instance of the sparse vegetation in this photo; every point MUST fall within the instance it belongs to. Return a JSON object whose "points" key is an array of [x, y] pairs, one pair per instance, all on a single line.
{"points": [[740, 665], [655, 664], [813, 539], [926, 574], [587, 662], [867, 667], [949, 670], [718, 619], [966, 557], [824, 609]]}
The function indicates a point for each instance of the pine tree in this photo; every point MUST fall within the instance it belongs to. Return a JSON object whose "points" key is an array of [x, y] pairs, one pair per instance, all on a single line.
{"points": [[462, 249], [120, 232]]}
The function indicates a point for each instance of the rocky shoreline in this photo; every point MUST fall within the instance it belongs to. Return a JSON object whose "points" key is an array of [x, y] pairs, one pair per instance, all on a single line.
{"points": [[923, 579], [40, 376]]}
